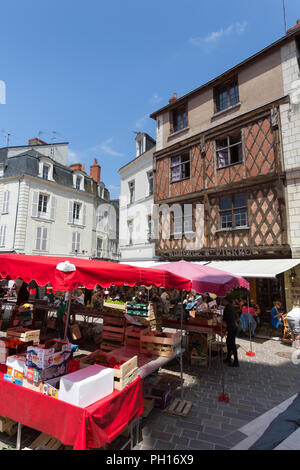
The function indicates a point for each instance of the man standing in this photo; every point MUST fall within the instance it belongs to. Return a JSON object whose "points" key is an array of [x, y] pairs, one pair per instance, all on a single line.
{"points": [[229, 318]]}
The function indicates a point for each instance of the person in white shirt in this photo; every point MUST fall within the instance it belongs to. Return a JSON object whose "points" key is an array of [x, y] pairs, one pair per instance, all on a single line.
{"points": [[293, 319]]}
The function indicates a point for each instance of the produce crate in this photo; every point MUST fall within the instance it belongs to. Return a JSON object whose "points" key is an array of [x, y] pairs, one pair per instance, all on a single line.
{"points": [[127, 373], [113, 333], [167, 346], [44, 442], [133, 335], [107, 346], [114, 319], [7, 425], [23, 334], [141, 310]]}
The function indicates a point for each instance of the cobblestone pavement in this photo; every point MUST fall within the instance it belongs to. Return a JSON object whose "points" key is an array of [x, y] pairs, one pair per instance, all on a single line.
{"points": [[261, 382]]}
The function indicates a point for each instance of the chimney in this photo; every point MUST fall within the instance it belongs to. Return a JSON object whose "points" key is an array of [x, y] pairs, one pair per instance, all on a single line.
{"points": [[293, 28], [95, 172], [83, 167], [36, 141], [173, 99], [75, 167]]}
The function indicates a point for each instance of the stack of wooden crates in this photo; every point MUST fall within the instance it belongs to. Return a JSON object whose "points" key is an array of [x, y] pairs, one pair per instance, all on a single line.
{"points": [[113, 331]]}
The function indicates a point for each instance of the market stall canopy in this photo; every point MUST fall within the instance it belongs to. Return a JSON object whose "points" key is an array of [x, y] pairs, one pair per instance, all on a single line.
{"points": [[205, 278], [68, 273], [260, 268]]}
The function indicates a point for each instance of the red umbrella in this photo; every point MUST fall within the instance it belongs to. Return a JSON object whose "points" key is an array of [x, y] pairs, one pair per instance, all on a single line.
{"points": [[205, 278]]}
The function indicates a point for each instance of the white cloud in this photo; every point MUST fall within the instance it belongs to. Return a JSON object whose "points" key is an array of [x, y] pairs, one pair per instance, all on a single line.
{"points": [[213, 37], [106, 147]]}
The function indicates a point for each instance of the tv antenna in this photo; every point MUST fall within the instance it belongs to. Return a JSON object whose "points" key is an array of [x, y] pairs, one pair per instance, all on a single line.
{"points": [[284, 16], [7, 136]]}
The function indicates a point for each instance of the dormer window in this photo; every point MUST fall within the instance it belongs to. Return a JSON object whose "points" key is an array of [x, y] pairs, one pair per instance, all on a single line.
{"points": [[78, 182], [46, 169], [46, 172]]}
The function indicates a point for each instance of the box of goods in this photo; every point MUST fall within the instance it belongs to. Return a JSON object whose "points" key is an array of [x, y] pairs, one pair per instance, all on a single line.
{"points": [[15, 369], [23, 334], [125, 372], [52, 353], [133, 335], [160, 344], [51, 387], [114, 319], [86, 386]]}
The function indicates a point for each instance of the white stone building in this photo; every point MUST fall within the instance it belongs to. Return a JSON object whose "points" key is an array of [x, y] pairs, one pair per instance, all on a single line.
{"points": [[50, 208], [136, 203]]}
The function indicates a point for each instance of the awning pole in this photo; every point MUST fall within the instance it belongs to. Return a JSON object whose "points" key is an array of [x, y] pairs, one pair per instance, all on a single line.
{"points": [[68, 314], [181, 360]]}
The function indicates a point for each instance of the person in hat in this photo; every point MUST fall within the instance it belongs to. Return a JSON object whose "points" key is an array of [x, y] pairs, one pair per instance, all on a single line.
{"points": [[229, 319]]}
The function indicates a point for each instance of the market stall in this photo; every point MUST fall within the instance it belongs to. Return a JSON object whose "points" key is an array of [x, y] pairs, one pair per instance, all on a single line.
{"points": [[100, 420]]}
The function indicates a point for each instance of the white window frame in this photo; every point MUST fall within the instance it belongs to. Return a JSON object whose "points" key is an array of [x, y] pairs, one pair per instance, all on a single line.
{"points": [[47, 162], [82, 215], [150, 176], [130, 232], [76, 175], [131, 187]]}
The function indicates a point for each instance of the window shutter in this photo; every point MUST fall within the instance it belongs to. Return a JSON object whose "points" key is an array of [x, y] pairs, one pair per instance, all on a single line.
{"points": [[44, 238], [5, 202], [84, 214], [73, 242], [70, 212], [2, 235], [38, 238], [35, 202], [53, 207], [78, 242]]}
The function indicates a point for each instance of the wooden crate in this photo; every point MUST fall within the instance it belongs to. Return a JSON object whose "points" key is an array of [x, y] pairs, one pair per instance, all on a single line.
{"points": [[107, 346], [127, 373], [114, 320], [44, 442], [160, 346], [7, 425], [133, 335], [113, 333], [23, 334]]}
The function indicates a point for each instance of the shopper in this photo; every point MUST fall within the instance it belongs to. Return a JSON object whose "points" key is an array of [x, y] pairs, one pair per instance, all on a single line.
{"points": [[293, 319], [229, 319], [276, 314]]}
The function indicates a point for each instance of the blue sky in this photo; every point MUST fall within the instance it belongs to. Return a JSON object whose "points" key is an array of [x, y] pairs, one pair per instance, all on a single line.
{"points": [[93, 70]]}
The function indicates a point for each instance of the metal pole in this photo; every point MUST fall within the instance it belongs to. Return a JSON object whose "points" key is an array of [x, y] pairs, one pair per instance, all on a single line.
{"points": [[19, 436], [181, 361], [68, 314]]}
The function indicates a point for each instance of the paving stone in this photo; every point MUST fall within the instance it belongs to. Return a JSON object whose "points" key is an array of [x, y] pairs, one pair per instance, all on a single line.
{"points": [[201, 445], [163, 436], [182, 441], [163, 445], [191, 434]]}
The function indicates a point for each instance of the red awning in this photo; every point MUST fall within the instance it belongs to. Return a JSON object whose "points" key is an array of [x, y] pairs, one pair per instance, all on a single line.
{"points": [[87, 273]]}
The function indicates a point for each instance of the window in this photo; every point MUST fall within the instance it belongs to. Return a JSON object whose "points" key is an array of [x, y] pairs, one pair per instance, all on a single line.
{"points": [[99, 247], [78, 182], [226, 96], [233, 211], [2, 235], [188, 218], [179, 119], [5, 202], [229, 150], [41, 238], [150, 228], [130, 231], [131, 192], [151, 183], [76, 212], [45, 172], [75, 242], [42, 205], [180, 167]]}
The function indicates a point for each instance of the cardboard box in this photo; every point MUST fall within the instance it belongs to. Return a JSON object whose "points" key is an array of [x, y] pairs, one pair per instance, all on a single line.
{"points": [[51, 354], [86, 386]]}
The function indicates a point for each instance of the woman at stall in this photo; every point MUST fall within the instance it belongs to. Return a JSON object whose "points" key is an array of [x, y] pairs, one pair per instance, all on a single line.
{"points": [[276, 314]]}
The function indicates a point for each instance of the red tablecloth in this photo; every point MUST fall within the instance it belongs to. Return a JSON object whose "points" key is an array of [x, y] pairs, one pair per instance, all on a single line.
{"points": [[82, 428]]}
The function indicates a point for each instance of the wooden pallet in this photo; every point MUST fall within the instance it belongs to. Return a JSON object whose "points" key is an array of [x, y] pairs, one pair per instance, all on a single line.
{"points": [[44, 442], [8, 426], [180, 407]]}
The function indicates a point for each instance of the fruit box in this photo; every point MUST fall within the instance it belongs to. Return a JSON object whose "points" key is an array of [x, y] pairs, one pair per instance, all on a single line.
{"points": [[167, 345]]}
